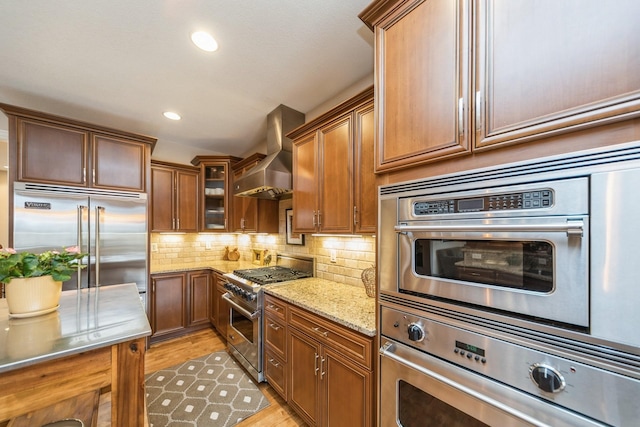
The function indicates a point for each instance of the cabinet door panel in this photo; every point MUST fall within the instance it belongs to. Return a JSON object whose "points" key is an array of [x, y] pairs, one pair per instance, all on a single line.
{"points": [[422, 72], [162, 199], [168, 304], [305, 185], [187, 201], [199, 298], [275, 370], [366, 186], [275, 335], [347, 392], [51, 154], [304, 364], [222, 309], [547, 66], [118, 163], [335, 180]]}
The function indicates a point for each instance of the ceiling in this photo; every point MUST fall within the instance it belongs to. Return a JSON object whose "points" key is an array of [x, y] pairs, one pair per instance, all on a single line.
{"points": [[121, 63]]}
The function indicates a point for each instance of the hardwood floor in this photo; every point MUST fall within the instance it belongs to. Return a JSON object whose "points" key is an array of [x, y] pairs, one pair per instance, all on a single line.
{"points": [[173, 352]]}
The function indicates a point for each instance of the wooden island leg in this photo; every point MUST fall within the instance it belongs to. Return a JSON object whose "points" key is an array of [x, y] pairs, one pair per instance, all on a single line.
{"points": [[127, 386]]}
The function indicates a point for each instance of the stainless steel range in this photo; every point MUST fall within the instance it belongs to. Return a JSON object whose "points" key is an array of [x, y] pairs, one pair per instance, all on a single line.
{"points": [[245, 299]]}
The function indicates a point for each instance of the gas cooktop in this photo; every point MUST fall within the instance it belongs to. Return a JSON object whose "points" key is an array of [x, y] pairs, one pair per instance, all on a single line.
{"points": [[268, 275]]}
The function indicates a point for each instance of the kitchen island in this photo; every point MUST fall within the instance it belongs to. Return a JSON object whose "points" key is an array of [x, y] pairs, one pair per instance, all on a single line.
{"points": [[55, 366]]}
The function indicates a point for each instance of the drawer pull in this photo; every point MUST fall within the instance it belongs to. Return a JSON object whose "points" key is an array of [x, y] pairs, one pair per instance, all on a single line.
{"points": [[274, 326], [325, 333], [274, 363]]}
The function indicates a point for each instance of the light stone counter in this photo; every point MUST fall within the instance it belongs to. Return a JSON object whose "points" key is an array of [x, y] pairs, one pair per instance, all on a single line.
{"points": [[221, 266], [344, 304]]}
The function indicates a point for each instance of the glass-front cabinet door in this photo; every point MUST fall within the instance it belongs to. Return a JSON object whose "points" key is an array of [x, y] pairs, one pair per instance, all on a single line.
{"points": [[216, 186], [215, 212]]}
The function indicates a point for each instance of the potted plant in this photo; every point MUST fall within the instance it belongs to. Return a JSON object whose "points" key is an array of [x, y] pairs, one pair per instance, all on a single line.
{"points": [[33, 282]]}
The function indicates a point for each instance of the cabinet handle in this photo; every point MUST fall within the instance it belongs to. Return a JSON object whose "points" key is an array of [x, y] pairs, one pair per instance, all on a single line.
{"points": [[355, 215], [319, 218], [173, 223], [274, 307], [315, 365], [461, 116], [274, 363], [322, 372], [478, 110], [84, 175], [325, 333], [274, 326], [178, 224], [314, 219]]}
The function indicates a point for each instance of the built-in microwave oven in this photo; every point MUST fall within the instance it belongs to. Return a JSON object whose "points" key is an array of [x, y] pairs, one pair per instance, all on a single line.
{"points": [[549, 244], [520, 249]]}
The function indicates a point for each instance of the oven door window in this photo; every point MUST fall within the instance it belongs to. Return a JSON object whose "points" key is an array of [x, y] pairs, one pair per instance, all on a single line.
{"points": [[242, 325], [526, 265], [419, 409]]}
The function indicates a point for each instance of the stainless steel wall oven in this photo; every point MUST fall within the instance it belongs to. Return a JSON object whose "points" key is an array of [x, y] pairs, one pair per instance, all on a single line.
{"points": [[508, 295]]}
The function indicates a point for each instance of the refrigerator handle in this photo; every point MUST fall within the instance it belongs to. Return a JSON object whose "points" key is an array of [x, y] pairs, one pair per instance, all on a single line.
{"points": [[81, 210], [99, 210]]}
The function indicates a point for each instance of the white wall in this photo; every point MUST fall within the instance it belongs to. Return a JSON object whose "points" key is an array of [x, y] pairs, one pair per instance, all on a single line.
{"points": [[339, 98]]}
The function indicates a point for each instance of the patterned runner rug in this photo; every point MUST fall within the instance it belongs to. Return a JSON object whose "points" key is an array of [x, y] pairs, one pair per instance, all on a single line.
{"points": [[211, 391]]}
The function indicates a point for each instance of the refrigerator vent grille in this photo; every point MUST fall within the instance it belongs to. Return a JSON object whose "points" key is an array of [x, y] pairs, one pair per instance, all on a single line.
{"points": [[76, 190]]}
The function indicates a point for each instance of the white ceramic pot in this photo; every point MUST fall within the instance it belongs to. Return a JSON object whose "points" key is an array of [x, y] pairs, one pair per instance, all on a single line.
{"points": [[32, 296]]}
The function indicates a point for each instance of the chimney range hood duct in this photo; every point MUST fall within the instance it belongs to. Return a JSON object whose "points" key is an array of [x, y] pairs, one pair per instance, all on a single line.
{"points": [[272, 177]]}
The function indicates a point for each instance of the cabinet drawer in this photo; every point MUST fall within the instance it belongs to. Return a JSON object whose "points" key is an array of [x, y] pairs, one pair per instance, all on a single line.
{"points": [[275, 306], [349, 343], [275, 370], [275, 334]]}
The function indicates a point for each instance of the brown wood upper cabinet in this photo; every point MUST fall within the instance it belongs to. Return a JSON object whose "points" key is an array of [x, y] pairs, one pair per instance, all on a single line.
{"points": [[174, 197], [252, 214], [457, 76], [216, 197], [334, 187], [54, 150]]}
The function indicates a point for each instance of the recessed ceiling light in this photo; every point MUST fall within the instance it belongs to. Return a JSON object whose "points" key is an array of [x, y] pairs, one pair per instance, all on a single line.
{"points": [[171, 115], [204, 41]]}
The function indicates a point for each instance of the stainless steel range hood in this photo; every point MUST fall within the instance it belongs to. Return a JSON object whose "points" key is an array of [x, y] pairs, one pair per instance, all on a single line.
{"points": [[271, 178]]}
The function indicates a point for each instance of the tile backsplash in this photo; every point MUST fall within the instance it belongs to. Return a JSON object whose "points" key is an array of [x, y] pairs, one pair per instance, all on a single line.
{"points": [[352, 254]]}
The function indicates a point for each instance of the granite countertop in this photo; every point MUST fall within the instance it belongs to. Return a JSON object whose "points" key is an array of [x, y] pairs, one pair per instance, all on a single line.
{"points": [[221, 266], [344, 304], [86, 320]]}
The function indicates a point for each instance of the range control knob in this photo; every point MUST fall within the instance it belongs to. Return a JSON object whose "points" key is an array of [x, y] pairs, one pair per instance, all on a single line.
{"points": [[416, 333], [547, 378]]}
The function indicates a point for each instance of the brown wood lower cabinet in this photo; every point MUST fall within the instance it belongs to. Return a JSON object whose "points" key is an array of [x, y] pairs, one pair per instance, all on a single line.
{"points": [[180, 303], [220, 306], [326, 372]]}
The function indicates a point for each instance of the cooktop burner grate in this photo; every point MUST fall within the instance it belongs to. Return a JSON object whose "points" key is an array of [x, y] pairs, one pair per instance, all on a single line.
{"points": [[267, 275]]}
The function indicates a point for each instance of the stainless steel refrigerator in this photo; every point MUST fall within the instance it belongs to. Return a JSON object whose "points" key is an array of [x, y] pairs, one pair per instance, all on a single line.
{"points": [[111, 226]]}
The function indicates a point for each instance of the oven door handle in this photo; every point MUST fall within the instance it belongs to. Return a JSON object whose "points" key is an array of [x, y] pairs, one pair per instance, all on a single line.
{"points": [[241, 309], [387, 351], [571, 227]]}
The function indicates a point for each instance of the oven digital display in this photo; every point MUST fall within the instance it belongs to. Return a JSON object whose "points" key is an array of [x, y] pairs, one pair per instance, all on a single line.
{"points": [[467, 205], [470, 348]]}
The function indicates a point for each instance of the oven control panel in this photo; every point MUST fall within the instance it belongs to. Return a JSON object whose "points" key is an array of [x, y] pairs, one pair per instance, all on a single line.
{"points": [[569, 383], [533, 199]]}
